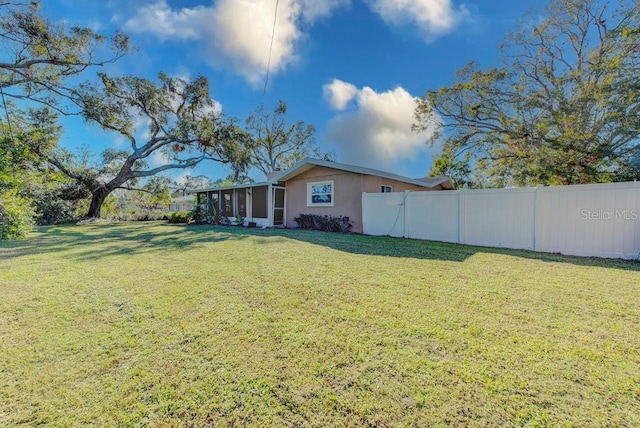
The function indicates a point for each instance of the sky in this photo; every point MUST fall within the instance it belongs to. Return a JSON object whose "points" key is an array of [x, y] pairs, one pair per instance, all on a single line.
{"points": [[351, 68]]}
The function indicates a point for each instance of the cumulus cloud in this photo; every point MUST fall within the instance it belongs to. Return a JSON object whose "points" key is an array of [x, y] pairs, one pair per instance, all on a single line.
{"points": [[432, 17], [375, 129], [339, 93], [159, 19], [237, 33]]}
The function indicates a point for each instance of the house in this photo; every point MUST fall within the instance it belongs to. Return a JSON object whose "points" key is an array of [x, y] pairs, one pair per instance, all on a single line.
{"points": [[312, 186], [181, 202]]}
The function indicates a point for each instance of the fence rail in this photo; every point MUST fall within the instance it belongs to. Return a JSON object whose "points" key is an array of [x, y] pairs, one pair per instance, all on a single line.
{"points": [[601, 220]]}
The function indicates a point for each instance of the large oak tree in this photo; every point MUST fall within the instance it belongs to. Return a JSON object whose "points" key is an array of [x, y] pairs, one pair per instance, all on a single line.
{"points": [[181, 123], [563, 107], [38, 56]]}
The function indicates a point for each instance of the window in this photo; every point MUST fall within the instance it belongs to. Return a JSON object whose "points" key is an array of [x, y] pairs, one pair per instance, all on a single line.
{"points": [[386, 189], [227, 203], [320, 194]]}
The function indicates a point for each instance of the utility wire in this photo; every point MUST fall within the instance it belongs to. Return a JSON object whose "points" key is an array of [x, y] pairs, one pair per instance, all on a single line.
{"points": [[273, 33]]}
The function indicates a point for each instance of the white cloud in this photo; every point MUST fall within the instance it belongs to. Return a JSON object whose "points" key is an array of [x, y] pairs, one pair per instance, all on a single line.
{"points": [[432, 17], [157, 158], [159, 19], [237, 33], [376, 132], [339, 93], [313, 10]]}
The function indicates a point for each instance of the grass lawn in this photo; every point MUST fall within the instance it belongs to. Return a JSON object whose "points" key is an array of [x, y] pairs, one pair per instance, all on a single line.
{"points": [[149, 324]]}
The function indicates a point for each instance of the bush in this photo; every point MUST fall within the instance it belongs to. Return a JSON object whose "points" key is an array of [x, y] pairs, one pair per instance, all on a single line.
{"points": [[180, 217], [17, 216], [323, 223], [199, 216]]}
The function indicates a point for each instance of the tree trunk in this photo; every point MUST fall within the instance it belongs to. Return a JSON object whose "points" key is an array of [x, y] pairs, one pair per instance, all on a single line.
{"points": [[97, 199]]}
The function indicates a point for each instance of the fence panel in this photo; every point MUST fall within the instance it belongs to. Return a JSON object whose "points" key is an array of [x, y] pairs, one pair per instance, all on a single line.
{"points": [[591, 220], [383, 213], [433, 216], [587, 220], [499, 218]]}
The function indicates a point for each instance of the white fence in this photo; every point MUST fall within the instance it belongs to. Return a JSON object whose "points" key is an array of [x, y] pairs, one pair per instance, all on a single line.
{"points": [[600, 220]]}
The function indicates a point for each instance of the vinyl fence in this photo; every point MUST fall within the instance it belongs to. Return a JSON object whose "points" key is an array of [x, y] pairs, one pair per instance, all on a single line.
{"points": [[601, 220]]}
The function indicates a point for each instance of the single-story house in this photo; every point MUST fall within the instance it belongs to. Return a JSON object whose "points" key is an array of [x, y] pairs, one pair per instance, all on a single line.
{"points": [[312, 186]]}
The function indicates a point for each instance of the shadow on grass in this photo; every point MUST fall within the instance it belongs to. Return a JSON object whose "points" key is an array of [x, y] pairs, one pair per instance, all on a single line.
{"points": [[433, 250], [136, 238], [114, 239]]}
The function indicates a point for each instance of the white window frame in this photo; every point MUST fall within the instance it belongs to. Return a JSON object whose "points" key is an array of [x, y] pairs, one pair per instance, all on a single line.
{"points": [[320, 183], [383, 188]]}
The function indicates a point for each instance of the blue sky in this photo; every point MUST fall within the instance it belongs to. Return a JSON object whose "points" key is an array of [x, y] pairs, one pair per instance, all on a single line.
{"points": [[352, 68]]}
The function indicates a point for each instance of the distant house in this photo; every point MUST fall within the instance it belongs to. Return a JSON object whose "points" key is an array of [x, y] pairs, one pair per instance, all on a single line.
{"points": [[312, 186], [181, 202]]}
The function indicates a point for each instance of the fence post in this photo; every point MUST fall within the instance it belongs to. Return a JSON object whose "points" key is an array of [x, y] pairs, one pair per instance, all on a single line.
{"points": [[537, 218], [461, 214], [405, 206], [364, 213]]}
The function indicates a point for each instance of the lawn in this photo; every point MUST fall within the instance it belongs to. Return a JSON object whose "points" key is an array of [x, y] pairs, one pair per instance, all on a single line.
{"points": [[149, 324]]}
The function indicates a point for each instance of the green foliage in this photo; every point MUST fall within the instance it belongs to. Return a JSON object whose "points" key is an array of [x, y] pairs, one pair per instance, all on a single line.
{"points": [[562, 109], [184, 125], [181, 217], [324, 223], [37, 60], [277, 144], [16, 215], [231, 180], [39, 56]]}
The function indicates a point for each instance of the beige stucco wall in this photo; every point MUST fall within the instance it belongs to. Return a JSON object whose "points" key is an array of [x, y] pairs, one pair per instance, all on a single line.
{"points": [[348, 188]]}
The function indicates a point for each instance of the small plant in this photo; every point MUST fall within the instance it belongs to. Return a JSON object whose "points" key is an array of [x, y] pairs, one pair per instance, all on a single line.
{"points": [[199, 215], [323, 223], [180, 217], [215, 214], [239, 220]]}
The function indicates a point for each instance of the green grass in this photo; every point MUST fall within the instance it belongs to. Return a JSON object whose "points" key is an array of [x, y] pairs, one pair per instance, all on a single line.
{"points": [[170, 326]]}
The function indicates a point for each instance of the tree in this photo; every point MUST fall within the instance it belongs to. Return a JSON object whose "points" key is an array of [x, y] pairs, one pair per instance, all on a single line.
{"points": [[232, 179], [189, 182], [183, 125], [277, 144], [37, 60], [562, 109], [38, 56]]}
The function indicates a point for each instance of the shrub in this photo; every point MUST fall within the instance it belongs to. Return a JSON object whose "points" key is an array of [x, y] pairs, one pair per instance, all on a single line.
{"points": [[199, 215], [324, 223], [180, 217], [17, 216]]}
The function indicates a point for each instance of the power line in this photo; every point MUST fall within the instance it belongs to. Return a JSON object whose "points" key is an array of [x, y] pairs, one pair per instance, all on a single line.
{"points": [[273, 33]]}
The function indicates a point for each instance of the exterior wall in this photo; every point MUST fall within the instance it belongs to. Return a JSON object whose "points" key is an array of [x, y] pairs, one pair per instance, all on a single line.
{"points": [[347, 194], [373, 184]]}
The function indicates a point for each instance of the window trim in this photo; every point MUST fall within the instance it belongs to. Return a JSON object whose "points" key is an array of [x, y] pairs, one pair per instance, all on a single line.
{"points": [[320, 183], [384, 186]]}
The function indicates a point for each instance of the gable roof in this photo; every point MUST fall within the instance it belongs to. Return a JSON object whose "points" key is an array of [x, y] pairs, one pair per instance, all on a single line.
{"points": [[308, 163]]}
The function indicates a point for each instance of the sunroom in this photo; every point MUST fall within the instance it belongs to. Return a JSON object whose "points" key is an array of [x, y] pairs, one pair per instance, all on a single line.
{"points": [[259, 203]]}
